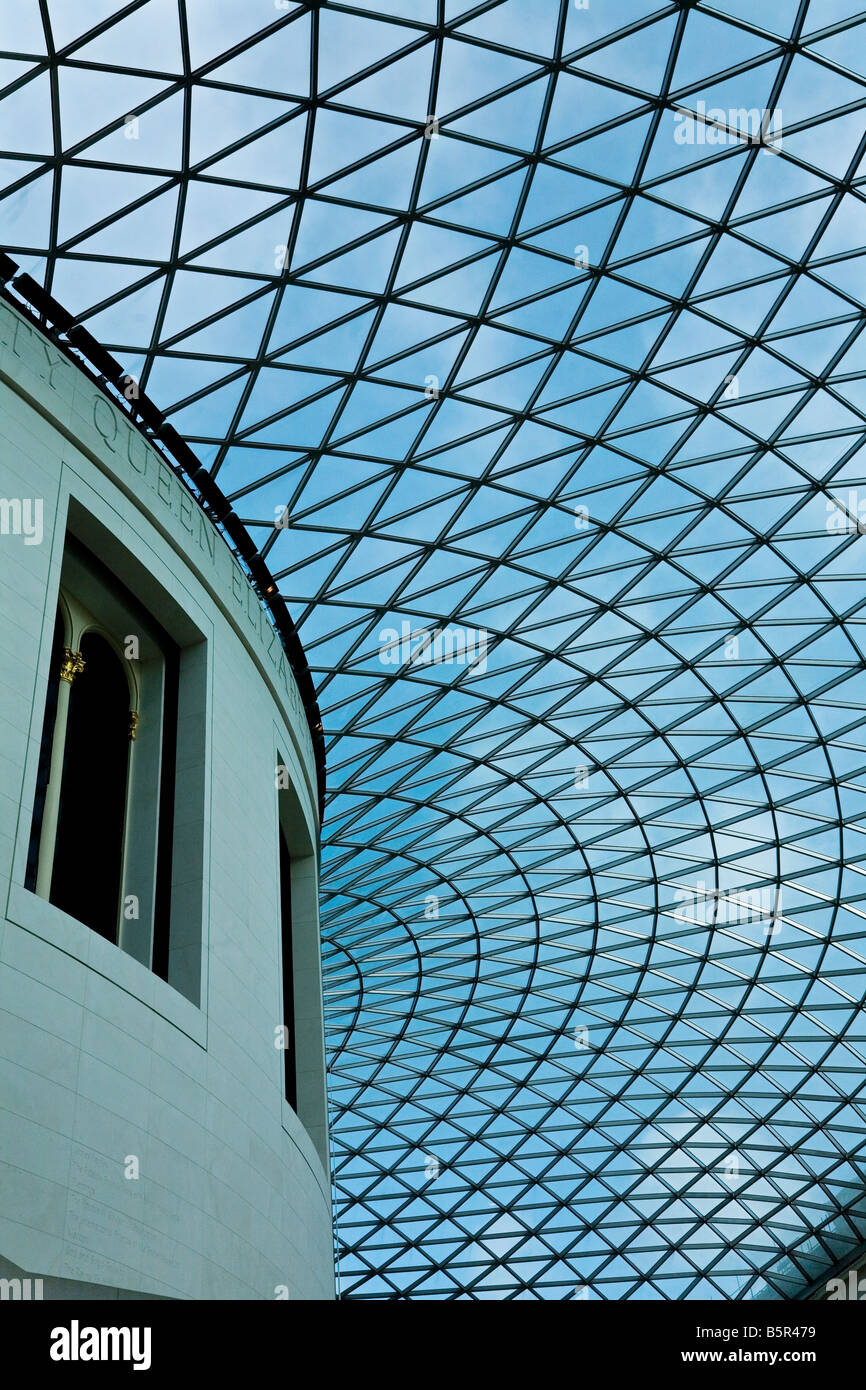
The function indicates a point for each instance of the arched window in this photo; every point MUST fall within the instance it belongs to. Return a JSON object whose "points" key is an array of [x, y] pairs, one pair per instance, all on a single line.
{"points": [[88, 854], [103, 846]]}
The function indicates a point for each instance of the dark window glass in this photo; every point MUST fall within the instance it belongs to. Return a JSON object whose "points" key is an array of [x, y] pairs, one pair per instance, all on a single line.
{"points": [[162, 906], [89, 852], [288, 971]]}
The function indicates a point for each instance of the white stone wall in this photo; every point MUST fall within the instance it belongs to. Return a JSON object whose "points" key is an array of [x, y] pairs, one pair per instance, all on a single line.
{"points": [[99, 1058]]}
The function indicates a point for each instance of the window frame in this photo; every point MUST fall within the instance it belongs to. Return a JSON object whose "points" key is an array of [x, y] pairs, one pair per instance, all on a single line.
{"points": [[179, 956]]}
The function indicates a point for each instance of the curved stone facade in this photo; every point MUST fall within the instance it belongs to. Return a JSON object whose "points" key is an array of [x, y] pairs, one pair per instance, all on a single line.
{"points": [[101, 1060]]}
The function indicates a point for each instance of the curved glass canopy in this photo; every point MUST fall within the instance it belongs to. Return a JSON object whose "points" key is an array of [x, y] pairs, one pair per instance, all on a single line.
{"points": [[527, 339]]}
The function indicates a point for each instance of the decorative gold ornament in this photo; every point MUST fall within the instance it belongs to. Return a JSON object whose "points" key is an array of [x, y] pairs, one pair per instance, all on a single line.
{"points": [[71, 666], [133, 724]]}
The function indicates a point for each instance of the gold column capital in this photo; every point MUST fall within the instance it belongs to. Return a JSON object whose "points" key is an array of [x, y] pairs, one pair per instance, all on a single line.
{"points": [[71, 666], [133, 724]]}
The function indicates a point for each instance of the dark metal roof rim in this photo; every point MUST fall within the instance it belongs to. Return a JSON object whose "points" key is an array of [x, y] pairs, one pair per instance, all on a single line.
{"points": [[51, 319]]}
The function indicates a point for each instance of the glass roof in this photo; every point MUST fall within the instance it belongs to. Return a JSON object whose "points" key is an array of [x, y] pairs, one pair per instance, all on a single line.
{"points": [[527, 340]]}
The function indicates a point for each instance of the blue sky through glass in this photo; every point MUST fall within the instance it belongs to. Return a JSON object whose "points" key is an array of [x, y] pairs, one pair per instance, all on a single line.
{"points": [[527, 340]]}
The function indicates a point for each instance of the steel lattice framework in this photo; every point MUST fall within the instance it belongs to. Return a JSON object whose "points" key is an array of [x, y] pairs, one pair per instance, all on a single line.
{"points": [[486, 339]]}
